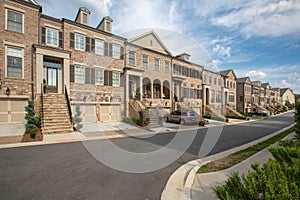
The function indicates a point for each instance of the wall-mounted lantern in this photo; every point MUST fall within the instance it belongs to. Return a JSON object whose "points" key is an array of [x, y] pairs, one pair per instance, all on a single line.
{"points": [[7, 92]]}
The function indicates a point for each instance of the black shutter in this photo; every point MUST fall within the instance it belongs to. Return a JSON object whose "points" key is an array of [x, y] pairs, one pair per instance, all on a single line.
{"points": [[110, 78], [87, 75], [92, 75], [179, 67], [122, 53], [110, 50], [60, 39], [106, 77], [105, 48], [43, 35], [72, 73], [72, 40], [93, 45], [87, 44]]}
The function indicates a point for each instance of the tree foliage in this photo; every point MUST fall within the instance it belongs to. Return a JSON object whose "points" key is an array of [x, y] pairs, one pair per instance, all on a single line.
{"points": [[77, 118], [32, 122]]}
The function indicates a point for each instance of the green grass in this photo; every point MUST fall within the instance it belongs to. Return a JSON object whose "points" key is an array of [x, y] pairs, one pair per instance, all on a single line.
{"points": [[241, 155]]}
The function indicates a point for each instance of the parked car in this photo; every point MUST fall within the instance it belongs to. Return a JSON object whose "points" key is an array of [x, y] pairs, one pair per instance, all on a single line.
{"points": [[260, 113], [183, 117]]}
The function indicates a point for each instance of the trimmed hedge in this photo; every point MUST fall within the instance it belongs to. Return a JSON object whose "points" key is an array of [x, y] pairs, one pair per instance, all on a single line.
{"points": [[237, 117], [214, 118]]}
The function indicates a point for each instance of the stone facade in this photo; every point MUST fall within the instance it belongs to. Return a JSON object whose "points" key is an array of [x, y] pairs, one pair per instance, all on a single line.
{"points": [[229, 78], [244, 95], [287, 95]]}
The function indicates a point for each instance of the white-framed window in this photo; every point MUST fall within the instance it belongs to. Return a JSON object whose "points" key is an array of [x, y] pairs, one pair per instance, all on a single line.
{"points": [[84, 18], [99, 76], [209, 79], [145, 60], [184, 71], [212, 96], [116, 79], [79, 74], [219, 81], [131, 57], [218, 96], [215, 81], [108, 26], [14, 62], [79, 42], [176, 69], [99, 47], [52, 37], [167, 66], [156, 64], [116, 50], [14, 21], [231, 97]]}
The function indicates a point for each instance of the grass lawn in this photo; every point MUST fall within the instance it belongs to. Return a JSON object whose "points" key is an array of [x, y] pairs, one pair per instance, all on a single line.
{"points": [[241, 155]]}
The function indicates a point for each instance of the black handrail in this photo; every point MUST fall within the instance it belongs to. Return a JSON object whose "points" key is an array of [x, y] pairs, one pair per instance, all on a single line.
{"points": [[68, 104], [42, 105]]}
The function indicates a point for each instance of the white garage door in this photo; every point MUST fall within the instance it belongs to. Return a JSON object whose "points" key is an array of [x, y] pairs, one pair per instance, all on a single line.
{"points": [[88, 112], [110, 113], [12, 110]]}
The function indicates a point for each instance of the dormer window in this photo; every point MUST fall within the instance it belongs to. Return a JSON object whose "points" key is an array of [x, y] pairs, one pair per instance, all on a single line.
{"points": [[108, 26], [84, 18]]}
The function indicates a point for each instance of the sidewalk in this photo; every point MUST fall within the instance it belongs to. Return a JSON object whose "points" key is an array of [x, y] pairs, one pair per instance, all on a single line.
{"points": [[186, 184]]}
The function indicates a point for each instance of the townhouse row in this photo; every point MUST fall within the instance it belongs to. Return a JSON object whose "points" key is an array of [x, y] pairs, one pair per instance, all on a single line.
{"points": [[108, 75]]}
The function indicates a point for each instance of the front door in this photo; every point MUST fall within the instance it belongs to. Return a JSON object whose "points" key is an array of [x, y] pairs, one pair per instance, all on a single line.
{"points": [[52, 80]]}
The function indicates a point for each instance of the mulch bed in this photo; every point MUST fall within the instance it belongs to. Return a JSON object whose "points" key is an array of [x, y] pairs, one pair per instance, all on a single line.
{"points": [[38, 136], [11, 139]]}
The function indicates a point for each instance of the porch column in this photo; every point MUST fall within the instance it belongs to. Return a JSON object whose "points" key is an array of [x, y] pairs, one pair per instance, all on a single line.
{"points": [[127, 93], [161, 91], [151, 90], [39, 72], [141, 88]]}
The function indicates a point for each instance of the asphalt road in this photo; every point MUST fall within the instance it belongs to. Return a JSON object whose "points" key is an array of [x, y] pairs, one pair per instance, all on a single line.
{"points": [[69, 171]]}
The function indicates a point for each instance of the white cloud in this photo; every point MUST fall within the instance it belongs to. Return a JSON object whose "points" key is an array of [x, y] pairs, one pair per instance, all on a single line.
{"points": [[285, 84], [222, 51], [256, 75], [262, 18]]}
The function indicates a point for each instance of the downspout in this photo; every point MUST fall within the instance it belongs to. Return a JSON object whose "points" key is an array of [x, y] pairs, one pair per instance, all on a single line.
{"points": [[32, 74], [172, 87]]}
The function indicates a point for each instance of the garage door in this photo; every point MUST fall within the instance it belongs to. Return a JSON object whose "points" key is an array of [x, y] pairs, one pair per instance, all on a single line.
{"points": [[88, 113], [12, 110], [110, 113]]}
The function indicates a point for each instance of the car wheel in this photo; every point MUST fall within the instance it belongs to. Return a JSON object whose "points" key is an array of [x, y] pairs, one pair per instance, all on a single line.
{"points": [[181, 122]]}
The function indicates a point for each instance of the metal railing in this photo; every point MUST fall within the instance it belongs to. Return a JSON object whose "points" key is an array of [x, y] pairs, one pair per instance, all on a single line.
{"points": [[68, 104], [42, 105]]}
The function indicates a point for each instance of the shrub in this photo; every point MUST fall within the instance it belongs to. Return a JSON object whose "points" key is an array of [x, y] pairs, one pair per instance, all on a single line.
{"points": [[201, 123], [226, 120], [38, 121], [31, 123], [297, 119], [132, 120], [77, 118], [32, 133], [236, 117], [277, 179]]}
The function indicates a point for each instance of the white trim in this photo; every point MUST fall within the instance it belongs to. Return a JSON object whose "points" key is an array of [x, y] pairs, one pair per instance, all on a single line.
{"points": [[117, 70], [52, 26], [47, 37], [75, 33], [35, 9], [14, 10], [78, 63], [5, 64], [82, 33], [14, 44], [134, 54], [100, 67]]}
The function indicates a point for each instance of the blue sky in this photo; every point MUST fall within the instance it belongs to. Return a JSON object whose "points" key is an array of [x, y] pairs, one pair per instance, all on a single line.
{"points": [[258, 38]]}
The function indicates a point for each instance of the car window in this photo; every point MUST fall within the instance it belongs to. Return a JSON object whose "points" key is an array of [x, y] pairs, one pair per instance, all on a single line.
{"points": [[184, 113], [192, 113]]}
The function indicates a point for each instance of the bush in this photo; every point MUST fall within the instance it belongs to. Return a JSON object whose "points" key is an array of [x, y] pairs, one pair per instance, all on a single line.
{"points": [[214, 118], [201, 123], [32, 133], [236, 117], [77, 118], [226, 120], [297, 119], [38, 121], [132, 120], [277, 179], [30, 117]]}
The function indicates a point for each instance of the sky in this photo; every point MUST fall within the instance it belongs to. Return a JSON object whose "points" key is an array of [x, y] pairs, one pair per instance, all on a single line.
{"points": [[258, 38]]}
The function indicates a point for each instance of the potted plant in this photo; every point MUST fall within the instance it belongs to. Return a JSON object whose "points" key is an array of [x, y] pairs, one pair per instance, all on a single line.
{"points": [[45, 86]]}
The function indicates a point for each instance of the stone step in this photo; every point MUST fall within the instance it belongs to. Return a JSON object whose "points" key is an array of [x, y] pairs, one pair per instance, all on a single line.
{"points": [[57, 131], [46, 128], [55, 123]]}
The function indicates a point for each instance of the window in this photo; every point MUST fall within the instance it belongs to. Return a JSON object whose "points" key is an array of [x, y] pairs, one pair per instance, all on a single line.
{"points": [[79, 42], [215, 81], [79, 74], [233, 84], [212, 97], [231, 97], [116, 79], [84, 18], [167, 66], [205, 78], [199, 75], [52, 37], [145, 61], [108, 28], [184, 71], [241, 98], [176, 69], [131, 57], [218, 97], [209, 80], [219, 81], [14, 21], [99, 76], [14, 62], [156, 64], [116, 51], [99, 47], [230, 84]]}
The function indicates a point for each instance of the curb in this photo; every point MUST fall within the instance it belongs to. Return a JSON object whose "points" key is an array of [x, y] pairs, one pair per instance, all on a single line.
{"points": [[185, 182]]}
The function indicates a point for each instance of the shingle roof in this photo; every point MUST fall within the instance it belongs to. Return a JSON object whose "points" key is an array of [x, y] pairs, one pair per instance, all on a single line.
{"points": [[242, 80], [283, 90]]}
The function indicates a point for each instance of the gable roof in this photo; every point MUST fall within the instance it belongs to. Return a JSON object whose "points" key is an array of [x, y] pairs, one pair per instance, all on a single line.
{"points": [[243, 79], [265, 85], [32, 1], [226, 72], [283, 90], [140, 37]]}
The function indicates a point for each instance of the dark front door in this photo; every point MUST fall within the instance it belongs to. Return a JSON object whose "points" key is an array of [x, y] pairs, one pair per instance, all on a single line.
{"points": [[52, 79]]}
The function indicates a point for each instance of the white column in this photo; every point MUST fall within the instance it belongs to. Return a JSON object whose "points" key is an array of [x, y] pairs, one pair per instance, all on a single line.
{"points": [[141, 88], [127, 93], [39, 72], [152, 90]]}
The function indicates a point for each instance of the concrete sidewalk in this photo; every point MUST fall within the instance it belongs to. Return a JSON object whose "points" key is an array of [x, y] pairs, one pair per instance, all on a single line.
{"points": [[186, 184]]}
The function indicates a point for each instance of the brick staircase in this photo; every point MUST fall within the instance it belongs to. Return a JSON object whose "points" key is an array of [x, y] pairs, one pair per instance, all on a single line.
{"points": [[56, 115], [231, 111]]}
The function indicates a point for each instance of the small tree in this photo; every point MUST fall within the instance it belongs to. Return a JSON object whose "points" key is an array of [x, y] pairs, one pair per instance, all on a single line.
{"points": [[31, 125], [77, 118], [297, 118]]}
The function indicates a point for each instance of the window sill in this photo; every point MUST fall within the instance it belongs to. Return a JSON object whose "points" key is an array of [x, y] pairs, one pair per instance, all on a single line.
{"points": [[15, 32]]}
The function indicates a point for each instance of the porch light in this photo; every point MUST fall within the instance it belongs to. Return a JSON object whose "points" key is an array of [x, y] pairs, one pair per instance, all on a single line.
{"points": [[7, 92], [0, 84]]}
